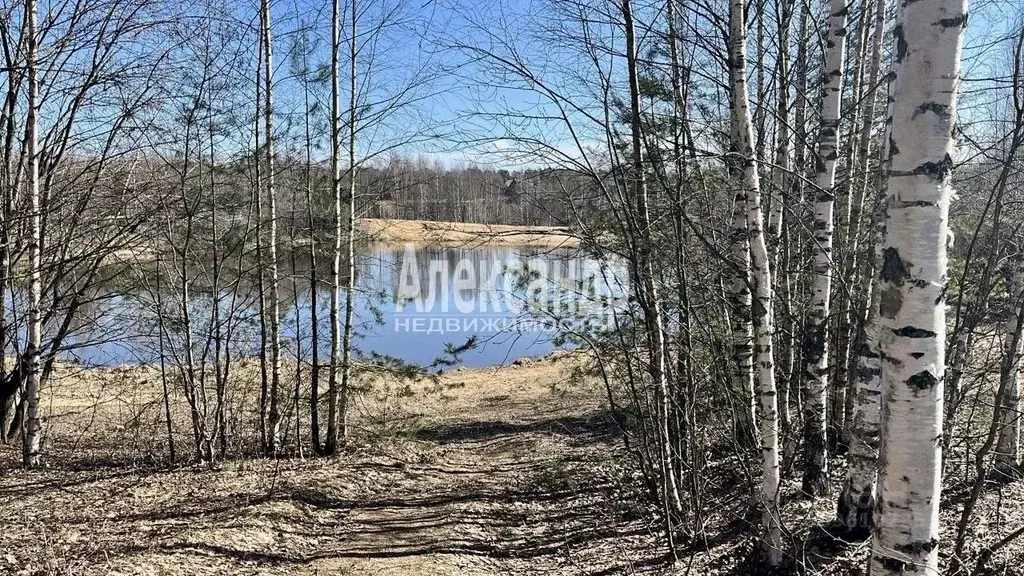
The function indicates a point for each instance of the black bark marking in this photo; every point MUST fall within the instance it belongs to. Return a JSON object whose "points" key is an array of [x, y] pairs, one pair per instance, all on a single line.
{"points": [[913, 204], [913, 332], [893, 148], [865, 351], [938, 170], [918, 547], [758, 310], [901, 43], [894, 269], [865, 373], [954, 22], [940, 110], [894, 565], [923, 380]]}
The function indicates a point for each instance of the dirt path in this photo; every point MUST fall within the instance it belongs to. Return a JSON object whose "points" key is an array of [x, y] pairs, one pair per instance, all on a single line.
{"points": [[499, 475]]}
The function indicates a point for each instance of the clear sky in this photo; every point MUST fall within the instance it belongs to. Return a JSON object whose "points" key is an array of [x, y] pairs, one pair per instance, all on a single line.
{"points": [[437, 77]]}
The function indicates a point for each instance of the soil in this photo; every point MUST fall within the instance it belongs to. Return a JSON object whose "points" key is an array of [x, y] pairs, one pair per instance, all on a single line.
{"points": [[512, 470], [493, 471]]}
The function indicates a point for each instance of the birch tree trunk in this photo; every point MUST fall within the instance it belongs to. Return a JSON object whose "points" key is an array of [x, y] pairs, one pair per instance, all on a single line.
{"points": [[857, 502], [1008, 444], [780, 197], [860, 180], [742, 329], [257, 200], [929, 39], [795, 225], [350, 231], [846, 254], [331, 442], [314, 316], [32, 434], [739, 298], [163, 359], [780, 174], [274, 434], [220, 367], [815, 478], [761, 276]]}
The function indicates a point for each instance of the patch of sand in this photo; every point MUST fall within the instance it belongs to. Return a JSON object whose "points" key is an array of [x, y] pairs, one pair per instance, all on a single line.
{"points": [[464, 234]]}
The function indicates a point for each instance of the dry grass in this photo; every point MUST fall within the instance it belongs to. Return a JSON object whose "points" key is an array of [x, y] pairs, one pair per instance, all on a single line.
{"points": [[515, 470], [489, 471]]}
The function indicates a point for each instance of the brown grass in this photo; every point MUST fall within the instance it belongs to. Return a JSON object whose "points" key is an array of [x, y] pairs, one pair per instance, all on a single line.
{"points": [[511, 470]]}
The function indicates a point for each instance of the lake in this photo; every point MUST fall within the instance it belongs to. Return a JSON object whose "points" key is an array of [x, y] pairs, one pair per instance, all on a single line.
{"points": [[412, 303]]}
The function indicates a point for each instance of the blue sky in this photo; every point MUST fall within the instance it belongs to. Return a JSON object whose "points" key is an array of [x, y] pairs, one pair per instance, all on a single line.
{"points": [[415, 56]]}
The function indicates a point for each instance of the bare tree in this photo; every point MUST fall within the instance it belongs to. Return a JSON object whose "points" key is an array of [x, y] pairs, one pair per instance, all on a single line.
{"points": [[760, 278], [815, 477], [913, 279], [32, 436]]}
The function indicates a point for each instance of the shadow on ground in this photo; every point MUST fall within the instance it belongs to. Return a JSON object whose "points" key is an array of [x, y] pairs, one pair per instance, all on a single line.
{"points": [[541, 496]]}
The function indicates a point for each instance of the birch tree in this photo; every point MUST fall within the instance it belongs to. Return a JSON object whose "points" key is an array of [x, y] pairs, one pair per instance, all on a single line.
{"points": [[32, 435], [1008, 444], [274, 424], [760, 278], [857, 501], [331, 442], [740, 307], [350, 230], [643, 272], [815, 478], [913, 278]]}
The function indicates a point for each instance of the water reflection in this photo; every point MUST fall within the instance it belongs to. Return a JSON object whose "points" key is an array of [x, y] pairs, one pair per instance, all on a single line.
{"points": [[410, 303]]}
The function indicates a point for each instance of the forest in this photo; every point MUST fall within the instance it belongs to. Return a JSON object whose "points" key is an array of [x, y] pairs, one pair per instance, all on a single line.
{"points": [[511, 287]]}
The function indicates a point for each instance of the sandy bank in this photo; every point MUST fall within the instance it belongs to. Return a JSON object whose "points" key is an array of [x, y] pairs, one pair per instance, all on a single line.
{"points": [[464, 234]]}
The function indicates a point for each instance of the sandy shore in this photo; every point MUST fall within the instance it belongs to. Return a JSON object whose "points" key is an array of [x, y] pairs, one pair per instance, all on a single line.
{"points": [[423, 232], [464, 234]]}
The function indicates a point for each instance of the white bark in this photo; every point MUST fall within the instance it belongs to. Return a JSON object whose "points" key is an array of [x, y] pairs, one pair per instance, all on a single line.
{"points": [[857, 502], [760, 275], [848, 259], [913, 283], [274, 434], [332, 380], [742, 329], [780, 197], [32, 425], [815, 480], [346, 337], [1008, 445]]}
